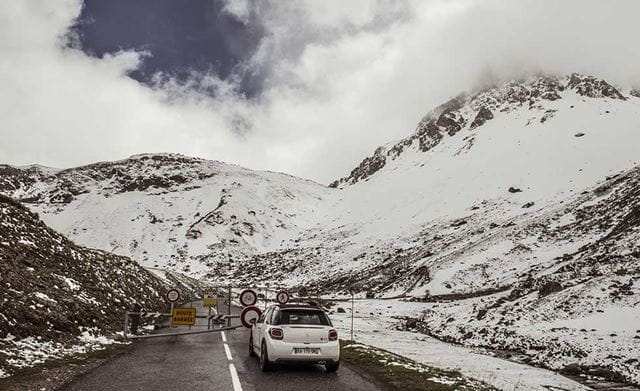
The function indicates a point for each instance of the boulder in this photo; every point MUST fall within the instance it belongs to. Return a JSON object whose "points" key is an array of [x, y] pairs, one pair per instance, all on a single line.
{"points": [[549, 288]]}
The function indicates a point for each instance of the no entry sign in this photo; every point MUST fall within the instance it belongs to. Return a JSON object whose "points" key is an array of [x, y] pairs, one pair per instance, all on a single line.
{"points": [[248, 297], [282, 297], [249, 313], [173, 295]]}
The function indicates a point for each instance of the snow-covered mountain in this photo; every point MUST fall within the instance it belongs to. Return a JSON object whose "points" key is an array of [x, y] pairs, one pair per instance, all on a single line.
{"points": [[169, 210], [512, 211]]}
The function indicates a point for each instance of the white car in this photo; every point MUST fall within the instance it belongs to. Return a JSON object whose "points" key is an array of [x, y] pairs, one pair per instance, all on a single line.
{"points": [[295, 333]]}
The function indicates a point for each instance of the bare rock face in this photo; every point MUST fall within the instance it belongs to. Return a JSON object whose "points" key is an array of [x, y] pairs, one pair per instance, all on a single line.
{"points": [[451, 122], [483, 116], [593, 87], [549, 288], [635, 92], [368, 167]]}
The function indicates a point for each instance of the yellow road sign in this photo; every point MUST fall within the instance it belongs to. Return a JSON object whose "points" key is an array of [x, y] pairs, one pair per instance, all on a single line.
{"points": [[210, 298], [184, 316], [209, 301]]}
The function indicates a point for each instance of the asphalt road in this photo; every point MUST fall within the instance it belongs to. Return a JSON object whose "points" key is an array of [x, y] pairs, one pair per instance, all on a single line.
{"points": [[207, 362]]}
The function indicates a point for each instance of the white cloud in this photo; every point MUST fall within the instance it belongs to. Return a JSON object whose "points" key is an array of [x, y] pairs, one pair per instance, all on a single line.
{"points": [[341, 78]]}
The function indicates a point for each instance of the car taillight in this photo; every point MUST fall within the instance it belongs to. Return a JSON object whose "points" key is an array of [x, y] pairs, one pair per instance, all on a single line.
{"points": [[333, 335], [276, 333]]}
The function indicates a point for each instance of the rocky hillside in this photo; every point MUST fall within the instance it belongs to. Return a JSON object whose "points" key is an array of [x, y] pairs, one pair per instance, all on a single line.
{"points": [[561, 287], [58, 297]]}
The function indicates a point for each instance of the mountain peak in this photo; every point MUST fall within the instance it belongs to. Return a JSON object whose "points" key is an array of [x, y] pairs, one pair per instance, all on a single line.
{"points": [[471, 110]]}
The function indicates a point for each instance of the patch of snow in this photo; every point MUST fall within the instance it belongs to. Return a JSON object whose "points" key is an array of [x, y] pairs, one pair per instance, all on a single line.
{"points": [[43, 296], [378, 330]]}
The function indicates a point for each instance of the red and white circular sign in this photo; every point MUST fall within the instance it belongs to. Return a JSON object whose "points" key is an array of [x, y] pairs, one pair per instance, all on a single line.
{"points": [[173, 295], [282, 297], [249, 313], [248, 297]]}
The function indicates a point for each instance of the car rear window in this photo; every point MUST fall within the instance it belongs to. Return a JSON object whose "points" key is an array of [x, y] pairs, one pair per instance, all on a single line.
{"points": [[307, 317]]}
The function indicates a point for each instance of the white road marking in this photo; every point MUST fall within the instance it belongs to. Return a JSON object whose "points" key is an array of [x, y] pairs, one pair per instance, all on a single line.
{"points": [[228, 351], [232, 368], [234, 377]]}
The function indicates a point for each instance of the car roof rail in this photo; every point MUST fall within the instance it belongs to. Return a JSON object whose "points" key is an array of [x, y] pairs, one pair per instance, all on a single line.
{"points": [[300, 305]]}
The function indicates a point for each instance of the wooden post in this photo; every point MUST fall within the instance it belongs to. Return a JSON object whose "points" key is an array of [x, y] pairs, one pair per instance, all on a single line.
{"points": [[229, 307]]}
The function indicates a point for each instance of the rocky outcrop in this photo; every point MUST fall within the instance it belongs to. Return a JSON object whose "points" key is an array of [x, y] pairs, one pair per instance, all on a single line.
{"points": [[450, 122], [368, 167], [483, 116], [593, 87], [549, 288]]}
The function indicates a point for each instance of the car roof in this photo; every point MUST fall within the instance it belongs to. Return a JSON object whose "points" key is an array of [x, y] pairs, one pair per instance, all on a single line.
{"points": [[301, 306]]}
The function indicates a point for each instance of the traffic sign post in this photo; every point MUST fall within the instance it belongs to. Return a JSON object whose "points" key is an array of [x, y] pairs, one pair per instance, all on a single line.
{"points": [[210, 298], [248, 297], [222, 301], [172, 296], [229, 305], [249, 313], [282, 297]]}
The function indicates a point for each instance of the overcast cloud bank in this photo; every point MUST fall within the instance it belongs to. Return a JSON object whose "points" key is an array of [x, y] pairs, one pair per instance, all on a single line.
{"points": [[340, 78]]}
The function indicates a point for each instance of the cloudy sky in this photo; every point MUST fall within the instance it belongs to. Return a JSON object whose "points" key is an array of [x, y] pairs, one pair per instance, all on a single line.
{"points": [[305, 87]]}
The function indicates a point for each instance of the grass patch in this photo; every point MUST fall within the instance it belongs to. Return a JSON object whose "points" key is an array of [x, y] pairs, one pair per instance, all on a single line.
{"points": [[400, 373]]}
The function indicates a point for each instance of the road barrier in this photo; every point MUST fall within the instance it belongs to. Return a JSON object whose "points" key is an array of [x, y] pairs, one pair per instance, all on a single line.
{"points": [[156, 315], [212, 297], [127, 337]]}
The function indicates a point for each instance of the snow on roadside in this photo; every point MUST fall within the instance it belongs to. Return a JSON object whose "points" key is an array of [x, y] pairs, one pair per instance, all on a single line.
{"points": [[27, 352], [378, 331]]}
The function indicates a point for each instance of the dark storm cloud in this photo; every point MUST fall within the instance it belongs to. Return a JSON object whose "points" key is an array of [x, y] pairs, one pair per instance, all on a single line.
{"points": [[181, 37]]}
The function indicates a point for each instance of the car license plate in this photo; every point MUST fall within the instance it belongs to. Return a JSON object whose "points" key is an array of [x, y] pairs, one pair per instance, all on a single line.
{"points": [[307, 351]]}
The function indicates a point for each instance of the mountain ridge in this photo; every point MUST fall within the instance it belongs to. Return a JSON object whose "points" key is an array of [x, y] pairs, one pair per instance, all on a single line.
{"points": [[452, 116]]}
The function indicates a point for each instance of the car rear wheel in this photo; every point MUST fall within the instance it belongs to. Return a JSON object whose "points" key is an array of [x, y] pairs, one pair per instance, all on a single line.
{"points": [[332, 367], [265, 364], [251, 352]]}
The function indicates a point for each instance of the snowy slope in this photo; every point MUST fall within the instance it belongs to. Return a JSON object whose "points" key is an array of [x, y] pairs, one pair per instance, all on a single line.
{"points": [[169, 210], [546, 141], [512, 208], [523, 230]]}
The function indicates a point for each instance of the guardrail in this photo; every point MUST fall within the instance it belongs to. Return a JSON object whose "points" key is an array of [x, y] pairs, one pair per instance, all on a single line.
{"points": [[155, 315]]}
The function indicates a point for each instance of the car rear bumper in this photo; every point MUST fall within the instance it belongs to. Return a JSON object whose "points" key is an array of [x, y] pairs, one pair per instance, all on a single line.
{"points": [[305, 360], [283, 352]]}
